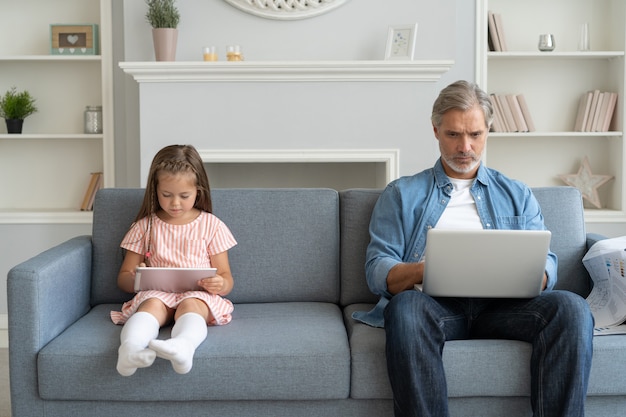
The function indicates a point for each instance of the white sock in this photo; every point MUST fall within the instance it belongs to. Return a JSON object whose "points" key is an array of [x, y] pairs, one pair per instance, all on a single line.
{"points": [[137, 332], [188, 332]]}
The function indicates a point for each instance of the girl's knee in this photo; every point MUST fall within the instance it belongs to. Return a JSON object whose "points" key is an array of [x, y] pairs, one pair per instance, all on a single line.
{"points": [[194, 305], [158, 309]]}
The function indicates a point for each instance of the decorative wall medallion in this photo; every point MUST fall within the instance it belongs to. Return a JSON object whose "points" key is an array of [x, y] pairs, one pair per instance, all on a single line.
{"points": [[286, 9]]}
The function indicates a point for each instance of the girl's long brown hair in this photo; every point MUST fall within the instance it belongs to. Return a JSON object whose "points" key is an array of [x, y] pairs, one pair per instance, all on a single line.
{"points": [[173, 159], [176, 159]]}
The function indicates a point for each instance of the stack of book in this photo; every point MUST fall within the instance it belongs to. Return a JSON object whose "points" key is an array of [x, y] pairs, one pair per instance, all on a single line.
{"points": [[595, 111], [511, 114], [95, 183], [495, 34]]}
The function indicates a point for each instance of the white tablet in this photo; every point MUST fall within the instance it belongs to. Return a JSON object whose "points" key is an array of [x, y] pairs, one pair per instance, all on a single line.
{"points": [[171, 279]]}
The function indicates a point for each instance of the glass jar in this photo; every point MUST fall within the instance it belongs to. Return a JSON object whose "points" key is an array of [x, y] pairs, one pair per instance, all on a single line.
{"points": [[93, 119], [233, 53], [209, 53]]}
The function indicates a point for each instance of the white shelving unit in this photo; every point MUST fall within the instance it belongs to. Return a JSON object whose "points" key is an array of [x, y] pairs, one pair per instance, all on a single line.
{"points": [[552, 84], [44, 172]]}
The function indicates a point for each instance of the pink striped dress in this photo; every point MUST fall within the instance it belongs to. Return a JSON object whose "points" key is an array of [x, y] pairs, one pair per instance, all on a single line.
{"points": [[184, 246]]}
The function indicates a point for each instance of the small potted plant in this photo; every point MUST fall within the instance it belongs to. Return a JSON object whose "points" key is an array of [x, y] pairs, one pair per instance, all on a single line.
{"points": [[163, 16], [15, 106]]}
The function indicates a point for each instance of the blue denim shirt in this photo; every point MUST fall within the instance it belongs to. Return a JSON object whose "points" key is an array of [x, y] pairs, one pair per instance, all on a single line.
{"points": [[409, 206]]}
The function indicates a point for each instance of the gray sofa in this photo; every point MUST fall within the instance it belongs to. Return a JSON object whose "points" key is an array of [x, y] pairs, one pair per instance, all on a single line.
{"points": [[292, 348]]}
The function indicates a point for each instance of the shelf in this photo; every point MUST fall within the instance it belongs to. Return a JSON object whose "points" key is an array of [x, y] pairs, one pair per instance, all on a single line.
{"points": [[554, 55], [538, 134], [51, 58], [604, 216], [25, 216], [51, 136], [273, 71], [54, 147], [552, 84]]}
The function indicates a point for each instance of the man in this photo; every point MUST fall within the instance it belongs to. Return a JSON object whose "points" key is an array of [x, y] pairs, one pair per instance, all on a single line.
{"points": [[460, 192]]}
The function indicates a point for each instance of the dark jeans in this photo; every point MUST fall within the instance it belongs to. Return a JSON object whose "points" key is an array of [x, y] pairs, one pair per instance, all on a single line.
{"points": [[558, 324]]}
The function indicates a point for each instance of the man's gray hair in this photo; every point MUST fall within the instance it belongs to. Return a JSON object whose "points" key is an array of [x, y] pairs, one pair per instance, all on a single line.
{"points": [[461, 95]]}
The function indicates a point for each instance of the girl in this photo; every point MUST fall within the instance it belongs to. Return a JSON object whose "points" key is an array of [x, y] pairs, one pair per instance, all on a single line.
{"points": [[174, 228]]}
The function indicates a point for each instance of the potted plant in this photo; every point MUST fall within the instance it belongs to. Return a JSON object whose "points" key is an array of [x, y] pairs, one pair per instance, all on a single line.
{"points": [[15, 106], [163, 16]]}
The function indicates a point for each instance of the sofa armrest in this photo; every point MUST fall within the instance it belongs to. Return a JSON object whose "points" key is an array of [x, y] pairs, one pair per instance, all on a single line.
{"points": [[45, 295], [593, 238], [49, 292]]}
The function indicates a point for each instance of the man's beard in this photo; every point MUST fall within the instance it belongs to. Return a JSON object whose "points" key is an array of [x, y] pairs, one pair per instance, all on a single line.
{"points": [[461, 168]]}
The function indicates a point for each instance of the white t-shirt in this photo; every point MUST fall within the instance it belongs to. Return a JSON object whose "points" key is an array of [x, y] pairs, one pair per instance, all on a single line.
{"points": [[461, 212]]}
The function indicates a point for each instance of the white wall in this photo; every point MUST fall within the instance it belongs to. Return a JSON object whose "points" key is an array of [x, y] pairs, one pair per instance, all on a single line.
{"points": [[357, 30], [319, 114]]}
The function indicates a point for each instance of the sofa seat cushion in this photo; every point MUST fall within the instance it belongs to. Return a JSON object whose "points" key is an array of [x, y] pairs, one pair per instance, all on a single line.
{"points": [[608, 366], [273, 351], [473, 367], [476, 367]]}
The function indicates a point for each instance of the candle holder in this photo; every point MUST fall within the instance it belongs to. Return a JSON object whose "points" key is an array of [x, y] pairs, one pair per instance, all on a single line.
{"points": [[546, 42], [209, 53], [233, 53]]}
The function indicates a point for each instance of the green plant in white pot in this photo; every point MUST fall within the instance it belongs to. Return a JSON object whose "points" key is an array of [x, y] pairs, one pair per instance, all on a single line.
{"points": [[163, 16], [15, 106]]}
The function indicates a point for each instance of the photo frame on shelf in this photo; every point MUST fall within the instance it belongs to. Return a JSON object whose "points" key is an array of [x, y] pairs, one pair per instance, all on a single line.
{"points": [[73, 39], [401, 42]]}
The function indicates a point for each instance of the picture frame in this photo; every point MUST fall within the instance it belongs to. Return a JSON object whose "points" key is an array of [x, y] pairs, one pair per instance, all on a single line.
{"points": [[74, 39], [401, 42]]}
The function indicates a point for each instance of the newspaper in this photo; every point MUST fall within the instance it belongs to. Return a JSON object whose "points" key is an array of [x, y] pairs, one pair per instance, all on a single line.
{"points": [[606, 261]]}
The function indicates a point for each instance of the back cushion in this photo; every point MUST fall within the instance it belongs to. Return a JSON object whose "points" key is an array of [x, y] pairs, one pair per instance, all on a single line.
{"points": [[563, 214], [356, 211], [114, 209], [288, 242]]}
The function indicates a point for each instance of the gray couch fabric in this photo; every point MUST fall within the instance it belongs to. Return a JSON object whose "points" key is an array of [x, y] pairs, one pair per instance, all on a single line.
{"points": [[292, 348]]}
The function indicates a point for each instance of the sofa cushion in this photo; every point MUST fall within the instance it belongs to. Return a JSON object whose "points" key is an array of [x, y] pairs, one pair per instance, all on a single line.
{"points": [[608, 366], [273, 351], [563, 213], [282, 235], [476, 367], [356, 207], [292, 254], [473, 367], [114, 211]]}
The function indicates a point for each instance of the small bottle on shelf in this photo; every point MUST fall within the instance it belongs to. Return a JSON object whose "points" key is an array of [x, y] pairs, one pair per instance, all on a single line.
{"points": [[93, 119]]}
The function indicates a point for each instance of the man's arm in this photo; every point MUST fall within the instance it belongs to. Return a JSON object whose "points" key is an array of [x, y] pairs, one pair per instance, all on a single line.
{"points": [[534, 221], [387, 269], [404, 276]]}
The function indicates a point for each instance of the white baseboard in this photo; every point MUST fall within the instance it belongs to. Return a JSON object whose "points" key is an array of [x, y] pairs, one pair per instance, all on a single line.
{"points": [[4, 330]]}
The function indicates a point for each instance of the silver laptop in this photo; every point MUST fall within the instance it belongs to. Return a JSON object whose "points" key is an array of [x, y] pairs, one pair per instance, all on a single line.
{"points": [[485, 263]]}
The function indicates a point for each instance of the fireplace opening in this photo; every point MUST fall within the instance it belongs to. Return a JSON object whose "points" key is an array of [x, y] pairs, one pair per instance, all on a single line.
{"points": [[335, 175]]}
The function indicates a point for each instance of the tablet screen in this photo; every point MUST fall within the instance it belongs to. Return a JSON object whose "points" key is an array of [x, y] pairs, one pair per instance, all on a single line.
{"points": [[171, 279]]}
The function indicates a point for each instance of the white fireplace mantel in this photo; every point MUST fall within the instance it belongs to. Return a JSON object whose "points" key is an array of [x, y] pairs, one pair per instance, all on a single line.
{"points": [[287, 71], [350, 120]]}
